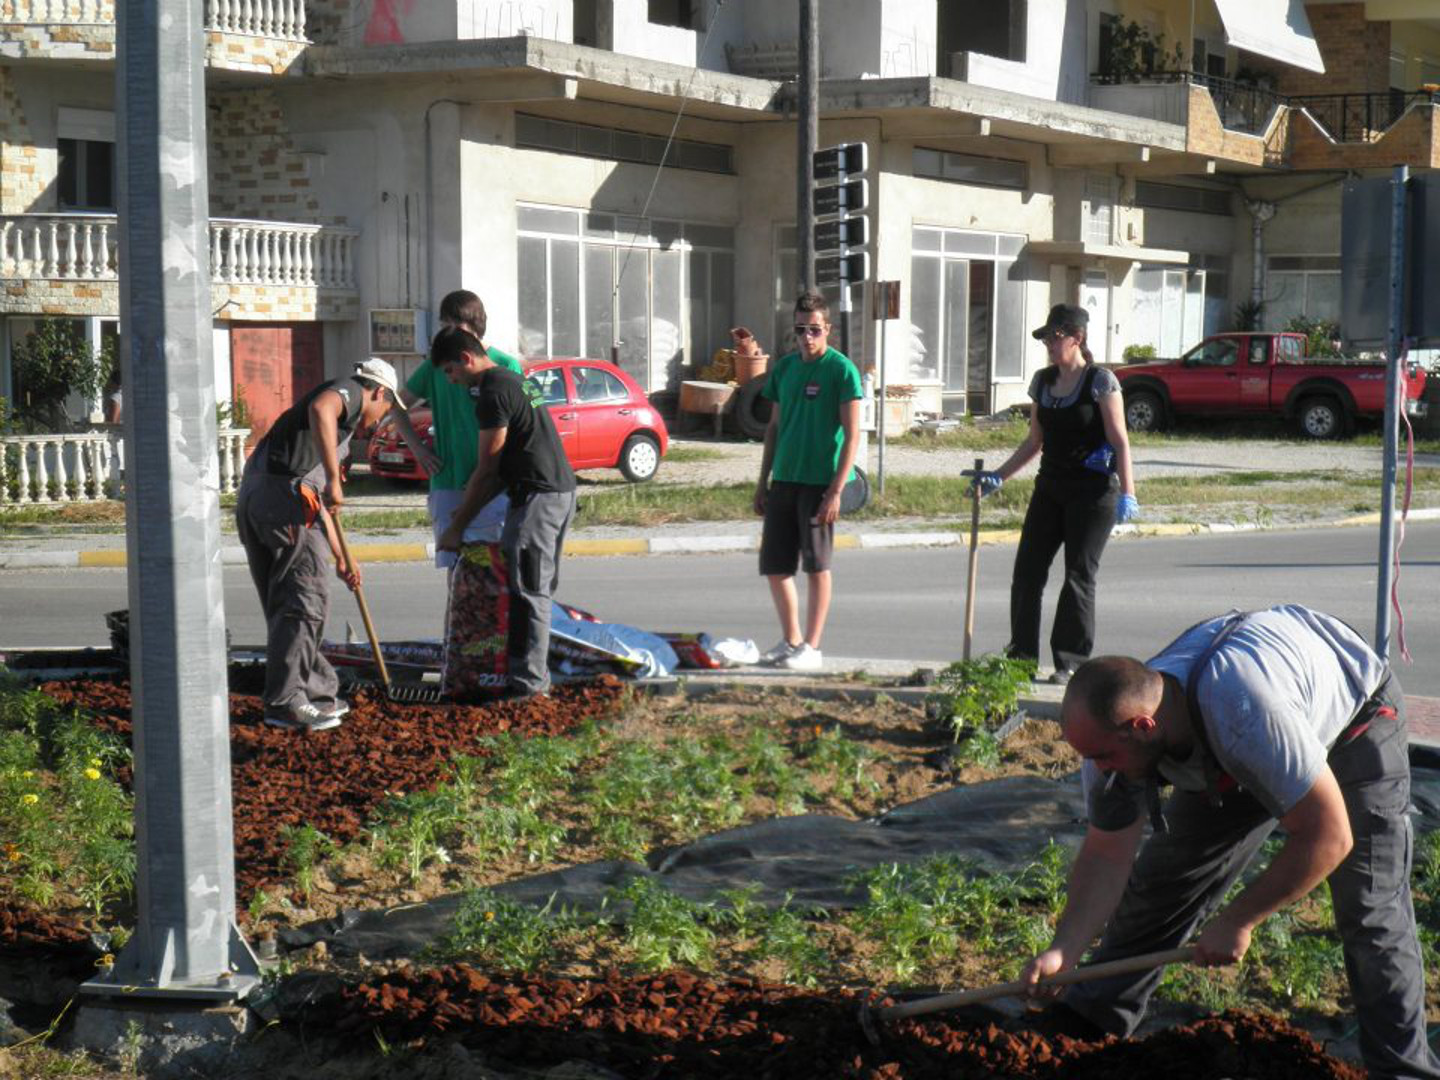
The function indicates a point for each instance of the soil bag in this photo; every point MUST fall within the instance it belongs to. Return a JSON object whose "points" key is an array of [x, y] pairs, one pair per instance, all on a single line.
{"points": [[477, 613]]}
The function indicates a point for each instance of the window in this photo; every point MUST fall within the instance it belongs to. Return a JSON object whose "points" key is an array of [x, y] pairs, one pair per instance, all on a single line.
{"points": [[586, 140], [1297, 285], [551, 382], [1259, 350], [683, 13], [967, 311], [992, 27], [969, 169], [86, 178], [597, 384], [1217, 353], [1156, 196], [645, 293], [1098, 209]]}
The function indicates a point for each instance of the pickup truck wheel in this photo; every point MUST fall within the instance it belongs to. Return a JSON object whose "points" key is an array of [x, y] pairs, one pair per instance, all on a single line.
{"points": [[1144, 411], [1322, 417]]}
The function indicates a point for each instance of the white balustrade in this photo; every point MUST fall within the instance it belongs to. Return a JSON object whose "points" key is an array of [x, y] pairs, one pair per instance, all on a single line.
{"points": [[88, 466], [280, 19], [84, 247]]}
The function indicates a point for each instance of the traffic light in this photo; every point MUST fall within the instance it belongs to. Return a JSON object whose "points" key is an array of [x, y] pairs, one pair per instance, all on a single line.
{"points": [[841, 195]]}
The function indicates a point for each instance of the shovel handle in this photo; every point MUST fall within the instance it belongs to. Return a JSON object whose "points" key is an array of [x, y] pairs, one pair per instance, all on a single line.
{"points": [[1125, 966], [973, 570], [364, 607]]}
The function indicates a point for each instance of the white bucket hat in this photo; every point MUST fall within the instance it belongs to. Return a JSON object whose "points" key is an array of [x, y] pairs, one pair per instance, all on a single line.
{"points": [[381, 373]]}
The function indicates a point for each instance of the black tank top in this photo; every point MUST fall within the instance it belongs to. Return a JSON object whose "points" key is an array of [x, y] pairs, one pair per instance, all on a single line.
{"points": [[1072, 432]]}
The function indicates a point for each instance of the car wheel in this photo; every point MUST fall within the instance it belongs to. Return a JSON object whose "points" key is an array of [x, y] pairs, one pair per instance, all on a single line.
{"points": [[1321, 417], [1144, 411], [640, 458]]}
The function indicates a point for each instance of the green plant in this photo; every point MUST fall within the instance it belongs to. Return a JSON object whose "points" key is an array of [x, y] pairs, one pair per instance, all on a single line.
{"points": [[1134, 354], [49, 364], [234, 413], [1248, 314], [787, 936], [664, 930], [971, 696], [768, 764], [305, 847], [1135, 53], [1321, 335], [842, 759], [502, 932], [412, 830]]}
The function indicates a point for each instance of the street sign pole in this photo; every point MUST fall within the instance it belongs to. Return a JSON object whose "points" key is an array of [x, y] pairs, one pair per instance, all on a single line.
{"points": [[185, 945], [1400, 182], [808, 136], [887, 307]]}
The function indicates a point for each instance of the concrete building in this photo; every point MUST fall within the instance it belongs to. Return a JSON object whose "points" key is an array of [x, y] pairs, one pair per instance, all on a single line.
{"points": [[1159, 161]]}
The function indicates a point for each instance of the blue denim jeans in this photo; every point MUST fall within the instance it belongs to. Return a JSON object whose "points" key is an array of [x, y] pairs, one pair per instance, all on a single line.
{"points": [[1181, 877]]}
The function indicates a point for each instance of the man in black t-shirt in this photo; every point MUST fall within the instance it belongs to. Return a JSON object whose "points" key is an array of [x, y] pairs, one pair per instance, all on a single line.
{"points": [[520, 453], [285, 527]]}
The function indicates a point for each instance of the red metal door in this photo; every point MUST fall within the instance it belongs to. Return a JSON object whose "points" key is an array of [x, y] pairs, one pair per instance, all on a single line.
{"points": [[272, 366]]}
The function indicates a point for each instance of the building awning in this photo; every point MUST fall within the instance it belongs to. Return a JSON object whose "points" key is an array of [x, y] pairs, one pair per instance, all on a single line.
{"points": [[1277, 29], [1076, 250]]}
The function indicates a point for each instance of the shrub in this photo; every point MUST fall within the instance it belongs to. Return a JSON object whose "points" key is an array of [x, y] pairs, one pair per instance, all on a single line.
{"points": [[49, 364]]}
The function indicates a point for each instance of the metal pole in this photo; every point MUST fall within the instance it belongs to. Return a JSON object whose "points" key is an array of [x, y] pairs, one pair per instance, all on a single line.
{"points": [[1384, 579], [881, 313], [808, 138], [185, 945]]}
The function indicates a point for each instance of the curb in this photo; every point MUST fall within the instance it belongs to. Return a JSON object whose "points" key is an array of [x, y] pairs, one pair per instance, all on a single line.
{"points": [[690, 545]]}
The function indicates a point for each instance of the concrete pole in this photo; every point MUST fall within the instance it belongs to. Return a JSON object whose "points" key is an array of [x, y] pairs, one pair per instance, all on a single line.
{"points": [[1394, 347], [808, 141], [186, 945]]}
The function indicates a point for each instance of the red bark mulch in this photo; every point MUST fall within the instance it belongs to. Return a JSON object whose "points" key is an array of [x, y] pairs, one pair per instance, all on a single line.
{"points": [[683, 1025]]}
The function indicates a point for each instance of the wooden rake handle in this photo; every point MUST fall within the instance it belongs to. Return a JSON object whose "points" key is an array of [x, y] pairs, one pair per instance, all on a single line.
{"points": [[364, 607], [1126, 966]]}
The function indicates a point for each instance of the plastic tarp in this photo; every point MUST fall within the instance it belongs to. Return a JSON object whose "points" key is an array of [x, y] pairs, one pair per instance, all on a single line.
{"points": [[1277, 29], [1002, 825]]}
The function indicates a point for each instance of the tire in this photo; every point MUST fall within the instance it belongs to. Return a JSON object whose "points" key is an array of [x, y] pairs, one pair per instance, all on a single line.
{"points": [[751, 410], [1144, 411], [856, 493], [639, 458], [1322, 417]]}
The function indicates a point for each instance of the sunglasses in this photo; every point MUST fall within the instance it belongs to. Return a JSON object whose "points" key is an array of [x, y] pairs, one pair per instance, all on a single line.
{"points": [[1057, 335], [809, 331]]}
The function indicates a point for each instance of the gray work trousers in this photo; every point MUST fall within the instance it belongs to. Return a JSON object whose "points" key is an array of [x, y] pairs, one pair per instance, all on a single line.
{"points": [[532, 541], [1181, 877], [290, 565]]}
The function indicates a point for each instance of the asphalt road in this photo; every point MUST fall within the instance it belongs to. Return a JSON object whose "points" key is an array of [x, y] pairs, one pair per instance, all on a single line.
{"points": [[905, 604]]}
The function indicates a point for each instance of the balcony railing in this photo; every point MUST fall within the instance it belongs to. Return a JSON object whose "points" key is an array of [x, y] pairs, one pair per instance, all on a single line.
{"points": [[1361, 117], [88, 466], [84, 247], [1243, 107], [282, 19]]}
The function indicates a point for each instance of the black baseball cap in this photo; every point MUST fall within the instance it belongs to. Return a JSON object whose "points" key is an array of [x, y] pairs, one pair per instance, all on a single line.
{"points": [[1063, 317]]}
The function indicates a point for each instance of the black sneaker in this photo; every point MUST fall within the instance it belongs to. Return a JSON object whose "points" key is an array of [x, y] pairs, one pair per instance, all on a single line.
{"points": [[304, 717]]}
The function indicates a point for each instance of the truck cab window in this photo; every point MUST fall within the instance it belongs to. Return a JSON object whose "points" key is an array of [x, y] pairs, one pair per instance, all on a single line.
{"points": [[1221, 352], [1259, 350]]}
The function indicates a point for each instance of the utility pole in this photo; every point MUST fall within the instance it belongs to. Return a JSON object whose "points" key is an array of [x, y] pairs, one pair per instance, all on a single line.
{"points": [[1394, 347], [186, 945], [808, 101]]}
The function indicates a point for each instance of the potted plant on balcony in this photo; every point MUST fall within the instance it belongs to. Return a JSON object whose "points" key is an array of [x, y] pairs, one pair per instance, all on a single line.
{"points": [[1134, 54]]}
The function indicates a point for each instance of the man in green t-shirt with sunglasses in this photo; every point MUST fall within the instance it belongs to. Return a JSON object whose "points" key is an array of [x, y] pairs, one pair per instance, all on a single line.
{"points": [[810, 447]]}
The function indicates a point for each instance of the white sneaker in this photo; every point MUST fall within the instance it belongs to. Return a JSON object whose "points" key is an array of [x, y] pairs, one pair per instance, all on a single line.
{"points": [[304, 717], [803, 658], [781, 652], [337, 711]]}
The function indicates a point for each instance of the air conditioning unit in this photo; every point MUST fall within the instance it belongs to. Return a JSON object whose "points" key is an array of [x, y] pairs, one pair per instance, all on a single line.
{"points": [[399, 331]]}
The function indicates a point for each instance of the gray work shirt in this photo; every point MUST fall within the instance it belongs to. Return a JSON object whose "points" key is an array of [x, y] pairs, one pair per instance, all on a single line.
{"points": [[1274, 699]]}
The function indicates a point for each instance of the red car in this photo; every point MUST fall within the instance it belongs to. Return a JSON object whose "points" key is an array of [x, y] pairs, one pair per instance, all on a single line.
{"points": [[604, 419]]}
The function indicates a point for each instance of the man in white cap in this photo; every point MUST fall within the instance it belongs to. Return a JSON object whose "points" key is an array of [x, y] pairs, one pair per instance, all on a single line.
{"points": [[290, 488]]}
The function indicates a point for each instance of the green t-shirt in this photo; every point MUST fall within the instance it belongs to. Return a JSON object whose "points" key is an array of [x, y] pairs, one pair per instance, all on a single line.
{"points": [[809, 395], [452, 413]]}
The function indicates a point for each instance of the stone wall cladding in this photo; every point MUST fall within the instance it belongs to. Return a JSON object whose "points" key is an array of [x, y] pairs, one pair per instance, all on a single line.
{"points": [[241, 52], [58, 41], [49, 297], [254, 169], [22, 184], [250, 303], [1206, 135], [1356, 52]]}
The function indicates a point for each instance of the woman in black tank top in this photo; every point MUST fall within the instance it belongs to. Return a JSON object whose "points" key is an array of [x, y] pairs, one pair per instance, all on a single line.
{"points": [[1084, 488]]}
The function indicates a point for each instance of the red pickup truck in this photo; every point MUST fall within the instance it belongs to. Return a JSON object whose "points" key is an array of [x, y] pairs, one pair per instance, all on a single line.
{"points": [[1252, 373]]}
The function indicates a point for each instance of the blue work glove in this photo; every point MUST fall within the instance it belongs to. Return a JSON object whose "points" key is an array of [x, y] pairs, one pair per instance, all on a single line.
{"points": [[987, 482], [1126, 510]]}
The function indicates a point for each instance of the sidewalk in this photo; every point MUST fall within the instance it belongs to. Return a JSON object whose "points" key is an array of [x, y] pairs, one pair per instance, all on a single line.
{"points": [[85, 549]]}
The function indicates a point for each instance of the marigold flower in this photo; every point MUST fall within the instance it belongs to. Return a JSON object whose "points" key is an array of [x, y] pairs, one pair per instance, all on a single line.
{"points": [[14, 855], [94, 762], [30, 799], [28, 774], [818, 731], [489, 916], [92, 774]]}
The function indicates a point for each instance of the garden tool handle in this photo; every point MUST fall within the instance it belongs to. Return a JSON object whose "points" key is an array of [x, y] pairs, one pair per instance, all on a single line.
{"points": [[1125, 966], [974, 568], [364, 607]]}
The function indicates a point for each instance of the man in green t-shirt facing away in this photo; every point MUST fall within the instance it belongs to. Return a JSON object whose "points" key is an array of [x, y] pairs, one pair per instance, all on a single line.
{"points": [[452, 417], [810, 447]]}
